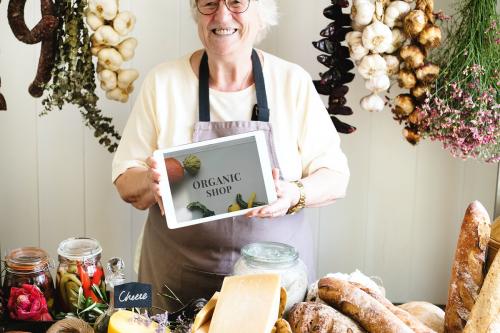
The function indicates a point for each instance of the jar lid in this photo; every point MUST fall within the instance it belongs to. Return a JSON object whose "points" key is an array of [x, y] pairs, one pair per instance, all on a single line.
{"points": [[27, 259], [270, 253], [79, 248]]}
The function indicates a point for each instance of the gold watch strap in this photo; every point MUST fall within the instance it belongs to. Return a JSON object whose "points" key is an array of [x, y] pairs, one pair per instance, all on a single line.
{"points": [[302, 199]]}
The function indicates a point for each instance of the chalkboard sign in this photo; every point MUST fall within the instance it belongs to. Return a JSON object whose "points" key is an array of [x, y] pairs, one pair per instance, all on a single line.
{"points": [[133, 295]]}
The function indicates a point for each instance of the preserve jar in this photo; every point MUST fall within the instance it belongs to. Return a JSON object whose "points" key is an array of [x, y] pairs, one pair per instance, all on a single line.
{"points": [[28, 286], [79, 266], [278, 258]]}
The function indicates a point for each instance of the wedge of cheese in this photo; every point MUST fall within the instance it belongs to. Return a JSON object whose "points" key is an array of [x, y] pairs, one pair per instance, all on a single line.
{"points": [[206, 313], [247, 304], [204, 328], [124, 321]]}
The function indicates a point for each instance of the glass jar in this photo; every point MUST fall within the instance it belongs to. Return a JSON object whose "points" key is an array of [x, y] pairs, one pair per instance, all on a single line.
{"points": [[282, 259], [79, 266], [28, 286]]}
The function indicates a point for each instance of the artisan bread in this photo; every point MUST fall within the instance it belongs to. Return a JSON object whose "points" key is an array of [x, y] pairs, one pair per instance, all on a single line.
{"points": [[309, 317], [467, 272], [427, 313], [408, 319], [485, 315], [358, 305]]}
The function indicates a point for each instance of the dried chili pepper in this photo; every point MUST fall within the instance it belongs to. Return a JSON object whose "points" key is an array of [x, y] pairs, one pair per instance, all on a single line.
{"points": [[344, 65], [328, 46], [346, 78], [336, 101], [341, 3], [3, 103], [340, 110], [333, 12], [341, 126], [331, 76], [334, 31]]}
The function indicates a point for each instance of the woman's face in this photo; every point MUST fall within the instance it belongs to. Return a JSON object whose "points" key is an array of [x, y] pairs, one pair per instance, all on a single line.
{"points": [[224, 32]]}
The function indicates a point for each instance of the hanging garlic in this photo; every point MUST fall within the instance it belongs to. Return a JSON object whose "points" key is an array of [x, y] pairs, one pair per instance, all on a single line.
{"points": [[109, 58], [377, 37], [392, 64], [403, 105], [416, 117], [355, 44], [117, 94], [412, 55], [430, 36], [126, 77], [414, 22], [411, 136], [395, 12], [420, 91], [106, 35], [124, 22], [378, 84], [372, 65], [94, 21], [372, 103], [362, 11], [398, 38], [107, 9], [108, 79], [357, 27], [406, 78], [127, 48], [427, 73]]}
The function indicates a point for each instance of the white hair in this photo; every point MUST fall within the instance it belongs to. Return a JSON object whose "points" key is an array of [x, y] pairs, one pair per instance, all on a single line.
{"points": [[268, 14]]}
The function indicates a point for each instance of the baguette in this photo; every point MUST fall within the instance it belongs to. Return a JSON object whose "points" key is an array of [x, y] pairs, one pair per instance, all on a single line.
{"points": [[468, 267], [408, 319], [485, 315], [358, 305], [429, 314]]}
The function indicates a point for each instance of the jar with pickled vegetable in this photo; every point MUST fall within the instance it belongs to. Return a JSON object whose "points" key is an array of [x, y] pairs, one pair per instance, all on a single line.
{"points": [[28, 286], [79, 267]]}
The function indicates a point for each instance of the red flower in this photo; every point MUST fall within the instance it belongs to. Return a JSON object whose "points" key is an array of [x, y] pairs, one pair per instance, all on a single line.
{"points": [[28, 303]]}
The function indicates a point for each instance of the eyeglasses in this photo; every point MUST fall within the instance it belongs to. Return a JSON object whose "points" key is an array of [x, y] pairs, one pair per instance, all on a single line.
{"points": [[208, 7]]}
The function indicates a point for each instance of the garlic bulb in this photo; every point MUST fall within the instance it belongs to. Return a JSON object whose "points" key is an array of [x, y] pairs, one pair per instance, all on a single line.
{"points": [[108, 79], [372, 103], [378, 84], [377, 37], [127, 48], [430, 36], [117, 94], [416, 117], [412, 55], [372, 65], [357, 27], [362, 11], [94, 21], [126, 77], [420, 91], [398, 38], [109, 58], [414, 22], [355, 44], [124, 22], [107, 9], [392, 64], [411, 136], [395, 12], [404, 105], [106, 35], [427, 73], [406, 79]]}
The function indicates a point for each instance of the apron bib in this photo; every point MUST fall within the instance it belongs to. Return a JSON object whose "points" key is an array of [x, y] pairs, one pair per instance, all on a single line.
{"points": [[193, 261]]}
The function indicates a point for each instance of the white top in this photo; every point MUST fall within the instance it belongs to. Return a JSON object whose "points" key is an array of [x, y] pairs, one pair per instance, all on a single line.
{"points": [[167, 108]]}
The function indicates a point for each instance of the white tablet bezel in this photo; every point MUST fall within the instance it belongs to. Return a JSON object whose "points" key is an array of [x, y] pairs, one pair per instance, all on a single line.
{"points": [[168, 205]]}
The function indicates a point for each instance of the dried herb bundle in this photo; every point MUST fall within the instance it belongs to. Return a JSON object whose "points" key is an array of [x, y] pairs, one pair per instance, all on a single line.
{"points": [[73, 74]]}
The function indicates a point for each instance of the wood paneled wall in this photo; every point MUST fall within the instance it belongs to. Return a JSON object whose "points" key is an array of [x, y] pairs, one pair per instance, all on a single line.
{"points": [[399, 221]]}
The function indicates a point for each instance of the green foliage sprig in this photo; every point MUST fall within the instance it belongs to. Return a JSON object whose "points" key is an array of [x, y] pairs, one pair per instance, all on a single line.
{"points": [[73, 76]]}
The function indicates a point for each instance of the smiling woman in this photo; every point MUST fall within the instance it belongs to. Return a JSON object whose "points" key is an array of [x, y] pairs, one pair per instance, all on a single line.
{"points": [[239, 89]]}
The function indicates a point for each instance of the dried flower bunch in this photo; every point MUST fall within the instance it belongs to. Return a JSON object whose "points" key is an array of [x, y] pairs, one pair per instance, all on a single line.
{"points": [[73, 76], [462, 110]]}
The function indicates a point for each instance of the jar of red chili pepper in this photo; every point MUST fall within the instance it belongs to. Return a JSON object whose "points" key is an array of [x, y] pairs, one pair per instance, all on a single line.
{"points": [[79, 266], [28, 286]]}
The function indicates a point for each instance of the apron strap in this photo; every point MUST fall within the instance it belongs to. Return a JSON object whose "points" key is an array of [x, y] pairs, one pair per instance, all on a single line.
{"points": [[260, 89]]}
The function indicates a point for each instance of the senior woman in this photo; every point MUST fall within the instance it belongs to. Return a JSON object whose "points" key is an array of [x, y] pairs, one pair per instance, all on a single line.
{"points": [[228, 88]]}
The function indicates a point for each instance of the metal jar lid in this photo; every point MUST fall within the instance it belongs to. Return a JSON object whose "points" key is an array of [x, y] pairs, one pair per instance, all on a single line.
{"points": [[270, 254], [79, 248], [27, 260]]}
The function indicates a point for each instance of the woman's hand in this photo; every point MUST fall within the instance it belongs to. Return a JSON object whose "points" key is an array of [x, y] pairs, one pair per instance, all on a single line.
{"points": [[288, 196], [154, 177]]}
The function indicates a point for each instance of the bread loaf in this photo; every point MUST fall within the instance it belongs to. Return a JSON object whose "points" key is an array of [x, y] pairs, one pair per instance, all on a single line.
{"points": [[308, 317], [429, 314], [485, 315], [467, 271], [358, 305], [408, 319]]}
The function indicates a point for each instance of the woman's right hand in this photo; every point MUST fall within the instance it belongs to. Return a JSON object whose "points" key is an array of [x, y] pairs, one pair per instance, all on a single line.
{"points": [[154, 178]]}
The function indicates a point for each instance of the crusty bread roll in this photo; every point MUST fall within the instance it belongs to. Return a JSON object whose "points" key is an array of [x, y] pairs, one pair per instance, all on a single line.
{"points": [[429, 314], [408, 319], [309, 317], [467, 272], [485, 315], [358, 305]]}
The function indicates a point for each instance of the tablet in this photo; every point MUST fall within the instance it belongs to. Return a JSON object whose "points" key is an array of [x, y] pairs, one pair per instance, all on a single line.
{"points": [[215, 179]]}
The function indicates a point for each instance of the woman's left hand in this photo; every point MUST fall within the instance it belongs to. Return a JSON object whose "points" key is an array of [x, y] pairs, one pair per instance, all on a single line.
{"points": [[288, 196]]}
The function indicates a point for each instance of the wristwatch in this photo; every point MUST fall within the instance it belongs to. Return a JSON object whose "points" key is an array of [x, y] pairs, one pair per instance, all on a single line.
{"points": [[302, 199]]}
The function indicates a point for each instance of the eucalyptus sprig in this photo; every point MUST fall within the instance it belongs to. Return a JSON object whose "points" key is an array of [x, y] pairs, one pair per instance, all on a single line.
{"points": [[462, 110], [73, 75]]}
